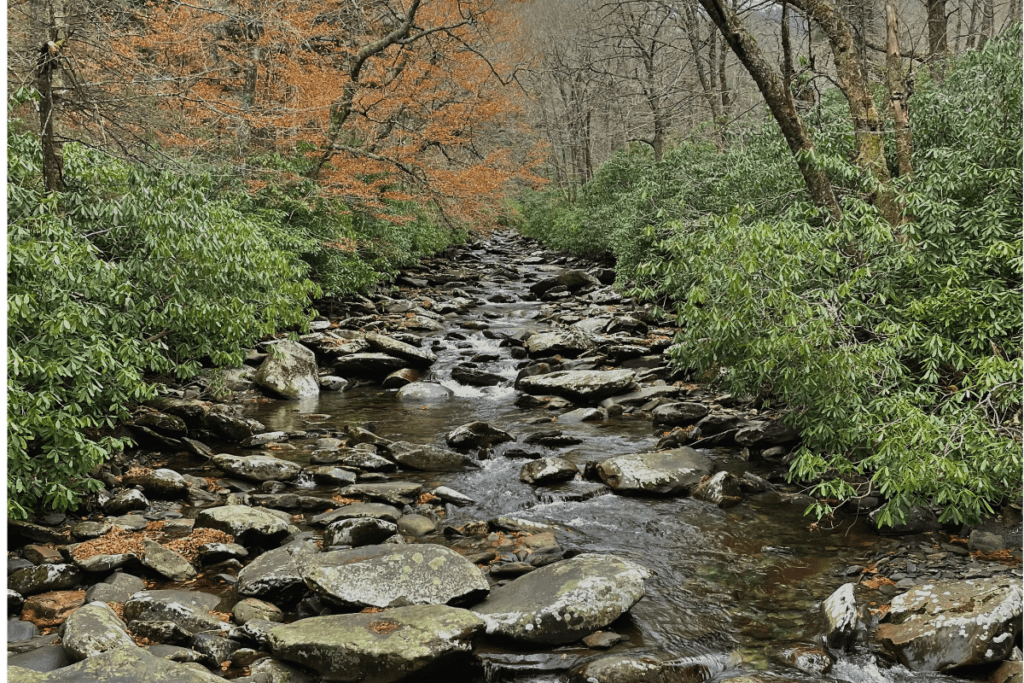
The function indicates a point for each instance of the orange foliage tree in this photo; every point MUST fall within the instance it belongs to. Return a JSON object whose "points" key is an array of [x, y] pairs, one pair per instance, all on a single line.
{"points": [[377, 100]]}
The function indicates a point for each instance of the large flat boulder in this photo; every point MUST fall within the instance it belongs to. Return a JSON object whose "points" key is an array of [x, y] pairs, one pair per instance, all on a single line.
{"points": [[257, 467], [396, 645], [430, 458], [388, 575], [189, 610], [580, 385], [120, 665], [276, 574], [248, 525], [418, 358], [948, 624], [374, 365], [289, 371], [564, 601], [92, 630], [568, 343], [665, 473]]}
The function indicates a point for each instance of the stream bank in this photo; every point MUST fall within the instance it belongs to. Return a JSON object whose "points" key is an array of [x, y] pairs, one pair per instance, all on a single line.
{"points": [[510, 420]]}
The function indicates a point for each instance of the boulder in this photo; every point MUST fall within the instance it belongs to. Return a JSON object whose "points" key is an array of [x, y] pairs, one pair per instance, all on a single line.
{"points": [[390, 575], [547, 471], [92, 630], [249, 526], [161, 483], [840, 611], [424, 391], [401, 378], [359, 531], [669, 473], [394, 492], [679, 414], [357, 510], [166, 562], [276, 574], [289, 371], [400, 644], [221, 421], [476, 435], [620, 669], [430, 458], [190, 611], [764, 434], [567, 343], [419, 358], [564, 601], [475, 377], [948, 624], [247, 609], [372, 365], [580, 385], [722, 489], [257, 467], [44, 578], [123, 665]]}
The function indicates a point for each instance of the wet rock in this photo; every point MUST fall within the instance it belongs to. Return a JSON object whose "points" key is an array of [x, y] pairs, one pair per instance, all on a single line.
{"points": [[840, 610], [188, 610], [51, 609], [214, 647], [14, 601], [372, 365], [943, 625], [92, 630], [475, 377], [722, 489], [619, 669], [282, 672], [602, 640], [580, 385], [359, 531], [126, 501], [394, 492], [452, 496], [476, 435], [117, 587], [388, 575], [212, 553], [332, 383], [166, 562], [764, 434], [289, 371], [169, 425], [671, 472], [416, 357], [233, 427], [985, 541], [679, 414], [366, 460], [583, 415], [567, 343], [430, 458], [810, 659], [257, 467], [277, 574], [123, 665], [44, 578], [551, 438], [396, 645], [401, 378], [918, 520], [424, 391], [416, 525], [547, 471], [331, 476], [248, 525], [357, 510], [263, 439], [564, 601]]}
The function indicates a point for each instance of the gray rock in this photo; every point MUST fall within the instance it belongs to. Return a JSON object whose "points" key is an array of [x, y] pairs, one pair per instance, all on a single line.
{"points": [[121, 665], [366, 460], [19, 631], [221, 420], [257, 467], [248, 525], [263, 439], [29, 667], [416, 357], [722, 489], [394, 492], [332, 383], [373, 365], [289, 371], [568, 343], [166, 562], [430, 458], [359, 531], [679, 414], [401, 378], [105, 563], [92, 630], [475, 377], [86, 530], [583, 415], [764, 434], [985, 541], [564, 601], [476, 435], [621, 669], [282, 672], [161, 483], [424, 391], [671, 472], [452, 496], [188, 610], [331, 476], [840, 610], [115, 588], [580, 385], [277, 573], [416, 525], [382, 648], [547, 471], [44, 578], [387, 575], [918, 520], [126, 501], [948, 624]]}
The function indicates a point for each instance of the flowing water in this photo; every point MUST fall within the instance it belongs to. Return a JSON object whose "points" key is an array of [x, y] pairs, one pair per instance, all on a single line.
{"points": [[735, 587]]}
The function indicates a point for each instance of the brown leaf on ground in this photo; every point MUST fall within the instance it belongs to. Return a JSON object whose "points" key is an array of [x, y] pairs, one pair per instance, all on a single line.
{"points": [[877, 582]]}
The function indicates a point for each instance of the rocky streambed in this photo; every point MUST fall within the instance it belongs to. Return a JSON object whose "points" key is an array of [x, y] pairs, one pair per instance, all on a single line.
{"points": [[490, 473]]}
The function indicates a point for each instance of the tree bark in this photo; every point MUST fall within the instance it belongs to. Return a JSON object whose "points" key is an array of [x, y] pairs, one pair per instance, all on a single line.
{"points": [[768, 82], [897, 92], [938, 43], [49, 82]]}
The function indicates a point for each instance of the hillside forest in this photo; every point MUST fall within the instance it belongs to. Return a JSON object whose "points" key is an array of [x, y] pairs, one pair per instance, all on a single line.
{"points": [[825, 196]]}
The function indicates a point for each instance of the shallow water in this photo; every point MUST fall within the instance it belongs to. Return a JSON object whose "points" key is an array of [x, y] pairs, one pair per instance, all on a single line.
{"points": [[736, 585]]}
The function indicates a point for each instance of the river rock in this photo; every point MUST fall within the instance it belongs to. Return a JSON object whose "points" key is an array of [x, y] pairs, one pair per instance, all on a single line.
{"points": [[580, 385], [117, 587], [764, 434], [359, 531], [424, 391], [679, 414], [289, 371], [476, 435], [722, 489], [372, 365], [44, 578], [399, 644], [389, 575], [620, 669], [126, 501], [475, 377], [257, 467], [331, 476], [365, 460], [452, 496], [169, 425], [840, 610], [394, 492], [276, 574], [401, 378], [671, 472], [918, 520], [568, 343], [416, 525], [248, 609], [948, 624], [356, 510], [161, 483], [547, 471], [93, 629], [249, 526], [166, 562], [564, 601], [188, 610], [430, 458], [121, 665], [419, 358]]}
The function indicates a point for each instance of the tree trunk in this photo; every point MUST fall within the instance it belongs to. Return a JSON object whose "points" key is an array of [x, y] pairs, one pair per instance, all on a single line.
{"points": [[800, 144], [988, 12], [49, 82], [938, 44], [897, 92], [972, 25]]}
